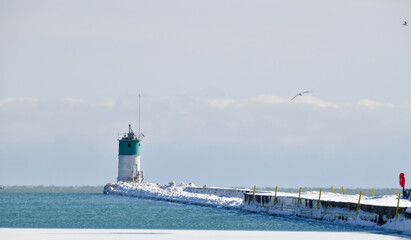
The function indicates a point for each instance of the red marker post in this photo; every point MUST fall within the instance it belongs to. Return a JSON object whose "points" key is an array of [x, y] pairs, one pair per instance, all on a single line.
{"points": [[402, 182]]}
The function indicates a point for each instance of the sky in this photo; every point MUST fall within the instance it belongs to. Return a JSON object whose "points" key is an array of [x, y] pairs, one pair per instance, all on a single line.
{"points": [[216, 79]]}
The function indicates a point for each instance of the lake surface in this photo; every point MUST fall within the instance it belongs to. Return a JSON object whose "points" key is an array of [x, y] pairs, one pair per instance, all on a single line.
{"points": [[53, 207]]}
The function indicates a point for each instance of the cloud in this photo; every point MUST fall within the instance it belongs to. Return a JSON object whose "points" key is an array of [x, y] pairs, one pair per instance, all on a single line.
{"points": [[108, 104], [18, 100], [306, 99], [311, 100], [220, 103], [73, 100], [269, 99], [374, 104]]}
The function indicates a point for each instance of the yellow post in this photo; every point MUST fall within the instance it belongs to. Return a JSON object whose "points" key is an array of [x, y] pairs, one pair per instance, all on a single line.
{"points": [[318, 203], [298, 201], [373, 192], [358, 206], [332, 190], [398, 207], [398, 192], [342, 188], [275, 195], [253, 194]]}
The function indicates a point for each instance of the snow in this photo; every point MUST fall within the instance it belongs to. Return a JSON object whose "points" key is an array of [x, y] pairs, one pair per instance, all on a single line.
{"points": [[150, 234], [387, 200], [174, 193]]}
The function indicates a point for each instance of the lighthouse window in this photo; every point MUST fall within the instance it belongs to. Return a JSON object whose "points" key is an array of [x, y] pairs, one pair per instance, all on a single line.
{"points": [[129, 145]]}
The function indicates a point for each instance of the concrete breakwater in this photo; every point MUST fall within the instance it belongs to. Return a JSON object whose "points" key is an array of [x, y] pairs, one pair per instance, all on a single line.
{"points": [[323, 209], [342, 211]]}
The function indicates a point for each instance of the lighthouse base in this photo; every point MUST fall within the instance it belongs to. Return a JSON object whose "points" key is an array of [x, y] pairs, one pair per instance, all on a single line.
{"points": [[129, 169], [137, 179]]}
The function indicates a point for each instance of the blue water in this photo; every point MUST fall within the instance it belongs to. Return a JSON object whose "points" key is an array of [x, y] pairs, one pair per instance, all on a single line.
{"points": [[96, 210]]}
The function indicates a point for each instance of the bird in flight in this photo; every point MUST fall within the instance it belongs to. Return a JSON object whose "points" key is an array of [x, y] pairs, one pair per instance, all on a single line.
{"points": [[300, 94], [405, 23]]}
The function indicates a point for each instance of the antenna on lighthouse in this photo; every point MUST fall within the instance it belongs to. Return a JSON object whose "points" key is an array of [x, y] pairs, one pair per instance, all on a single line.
{"points": [[139, 119]]}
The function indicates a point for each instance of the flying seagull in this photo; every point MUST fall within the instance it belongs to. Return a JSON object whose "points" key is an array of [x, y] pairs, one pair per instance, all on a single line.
{"points": [[300, 94], [405, 23]]}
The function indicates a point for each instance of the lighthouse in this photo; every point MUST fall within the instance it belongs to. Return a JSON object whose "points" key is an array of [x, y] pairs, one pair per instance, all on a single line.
{"points": [[129, 157]]}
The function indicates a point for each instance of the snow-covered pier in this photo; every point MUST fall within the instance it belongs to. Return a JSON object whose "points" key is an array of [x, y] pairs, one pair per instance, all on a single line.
{"points": [[379, 212]]}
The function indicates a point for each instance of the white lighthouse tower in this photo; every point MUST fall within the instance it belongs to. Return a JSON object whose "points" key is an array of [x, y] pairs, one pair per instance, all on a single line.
{"points": [[129, 158]]}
